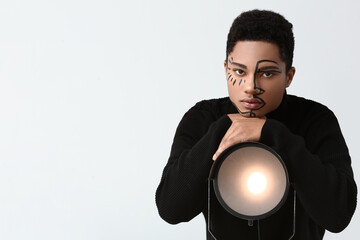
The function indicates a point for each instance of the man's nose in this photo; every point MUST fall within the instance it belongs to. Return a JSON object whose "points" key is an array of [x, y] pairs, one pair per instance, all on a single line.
{"points": [[250, 85]]}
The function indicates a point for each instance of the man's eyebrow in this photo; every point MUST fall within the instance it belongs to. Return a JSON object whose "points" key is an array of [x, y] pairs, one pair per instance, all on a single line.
{"points": [[270, 68], [238, 64]]}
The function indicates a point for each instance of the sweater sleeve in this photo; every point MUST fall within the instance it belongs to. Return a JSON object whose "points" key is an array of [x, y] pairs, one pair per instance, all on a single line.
{"points": [[180, 194], [319, 167]]}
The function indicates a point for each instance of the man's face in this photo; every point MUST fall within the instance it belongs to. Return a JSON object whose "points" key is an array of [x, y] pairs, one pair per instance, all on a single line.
{"points": [[256, 77]]}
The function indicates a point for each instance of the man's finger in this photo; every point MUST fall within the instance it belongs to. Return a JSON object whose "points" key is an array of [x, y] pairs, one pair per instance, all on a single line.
{"points": [[217, 153]]}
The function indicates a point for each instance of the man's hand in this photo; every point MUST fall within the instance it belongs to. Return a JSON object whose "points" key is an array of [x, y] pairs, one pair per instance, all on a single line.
{"points": [[242, 129]]}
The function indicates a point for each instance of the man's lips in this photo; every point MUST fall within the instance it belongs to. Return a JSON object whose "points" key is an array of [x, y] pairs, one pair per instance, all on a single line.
{"points": [[252, 103]]}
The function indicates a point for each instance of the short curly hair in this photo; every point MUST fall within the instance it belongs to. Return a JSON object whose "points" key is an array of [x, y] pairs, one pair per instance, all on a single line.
{"points": [[263, 25]]}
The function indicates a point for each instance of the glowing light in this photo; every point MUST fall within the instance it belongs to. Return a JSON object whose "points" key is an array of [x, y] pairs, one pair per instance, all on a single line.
{"points": [[257, 183]]}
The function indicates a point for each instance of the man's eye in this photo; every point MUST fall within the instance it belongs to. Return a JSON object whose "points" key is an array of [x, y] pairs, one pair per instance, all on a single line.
{"points": [[267, 74], [239, 72]]}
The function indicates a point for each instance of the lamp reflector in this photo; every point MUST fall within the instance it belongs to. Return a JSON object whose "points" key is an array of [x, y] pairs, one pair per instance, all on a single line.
{"points": [[250, 180]]}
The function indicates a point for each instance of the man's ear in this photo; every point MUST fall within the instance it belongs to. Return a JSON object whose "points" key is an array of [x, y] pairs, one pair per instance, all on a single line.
{"points": [[290, 76], [225, 66]]}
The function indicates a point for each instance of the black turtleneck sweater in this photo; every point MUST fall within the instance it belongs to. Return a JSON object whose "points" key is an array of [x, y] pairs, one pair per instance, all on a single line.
{"points": [[306, 135]]}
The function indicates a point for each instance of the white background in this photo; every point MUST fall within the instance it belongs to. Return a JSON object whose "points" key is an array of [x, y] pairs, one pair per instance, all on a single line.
{"points": [[91, 93]]}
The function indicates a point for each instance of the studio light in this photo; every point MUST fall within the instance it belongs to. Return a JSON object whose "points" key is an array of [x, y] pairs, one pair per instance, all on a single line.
{"points": [[250, 180]]}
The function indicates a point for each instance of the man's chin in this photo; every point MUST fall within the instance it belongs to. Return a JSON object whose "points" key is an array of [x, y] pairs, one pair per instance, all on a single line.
{"points": [[251, 114]]}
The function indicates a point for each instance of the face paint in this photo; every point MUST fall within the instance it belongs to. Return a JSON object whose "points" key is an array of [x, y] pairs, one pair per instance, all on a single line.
{"points": [[263, 68], [230, 75], [260, 63]]}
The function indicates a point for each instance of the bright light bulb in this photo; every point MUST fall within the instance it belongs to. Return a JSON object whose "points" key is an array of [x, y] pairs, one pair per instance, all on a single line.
{"points": [[257, 183]]}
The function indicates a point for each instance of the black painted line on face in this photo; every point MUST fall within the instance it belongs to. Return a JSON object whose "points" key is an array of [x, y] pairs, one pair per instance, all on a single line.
{"points": [[272, 61], [260, 90], [255, 87], [234, 82], [270, 69], [240, 82], [249, 112], [229, 77]]}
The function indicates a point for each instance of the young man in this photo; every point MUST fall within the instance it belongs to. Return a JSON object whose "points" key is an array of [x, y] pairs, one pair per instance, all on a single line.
{"points": [[306, 134]]}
